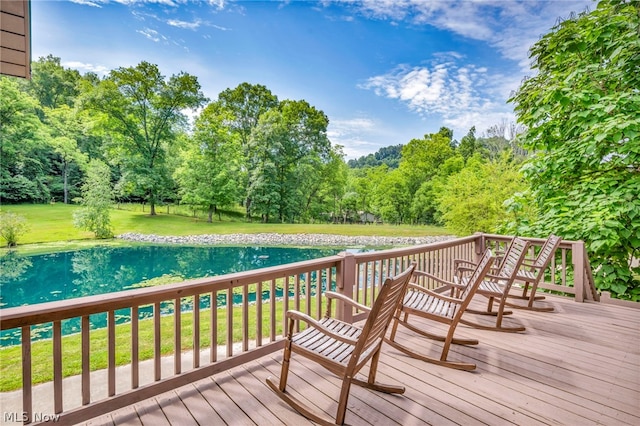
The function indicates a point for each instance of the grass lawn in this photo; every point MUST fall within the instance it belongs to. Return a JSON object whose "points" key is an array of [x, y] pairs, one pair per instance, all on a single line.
{"points": [[52, 225]]}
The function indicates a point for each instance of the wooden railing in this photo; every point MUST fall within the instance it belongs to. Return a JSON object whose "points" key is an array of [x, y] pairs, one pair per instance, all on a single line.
{"points": [[249, 329], [569, 272]]}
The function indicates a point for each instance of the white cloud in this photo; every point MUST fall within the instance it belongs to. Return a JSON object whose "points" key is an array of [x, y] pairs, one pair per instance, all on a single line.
{"points": [[356, 135], [443, 88], [460, 95], [510, 26], [184, 24], [152, 35], [85, 67], [88, 2]]}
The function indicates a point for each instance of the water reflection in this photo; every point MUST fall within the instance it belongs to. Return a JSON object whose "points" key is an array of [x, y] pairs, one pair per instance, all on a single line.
{"points": [[59, 276]]}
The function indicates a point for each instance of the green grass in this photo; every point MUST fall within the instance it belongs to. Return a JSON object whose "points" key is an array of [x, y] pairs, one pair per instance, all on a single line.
{"points": [[53, 225]]}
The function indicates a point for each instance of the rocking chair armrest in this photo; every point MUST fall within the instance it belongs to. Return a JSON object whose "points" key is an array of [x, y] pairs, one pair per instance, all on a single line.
{"points": [[530, 263], [416, 287], [433, 277], [457, 262], [496, 277], [442, 297], [301, 316], [333, 295], [460, 269]]}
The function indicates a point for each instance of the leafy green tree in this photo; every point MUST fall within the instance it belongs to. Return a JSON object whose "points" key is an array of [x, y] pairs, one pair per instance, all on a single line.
{"points": [[422, 157], [424, 205], [143, 112], [287, 146], [392, 198], [469, 145], [97, 198], [210, 172], [52, 84], [66, 130], [327, 189], [472, 200], [12, 226], [582, 110], [247, 103], [24, 159]]}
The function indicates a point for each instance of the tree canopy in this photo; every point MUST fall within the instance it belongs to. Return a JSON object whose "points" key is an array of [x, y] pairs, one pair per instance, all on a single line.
{"points": [[582, 113]]}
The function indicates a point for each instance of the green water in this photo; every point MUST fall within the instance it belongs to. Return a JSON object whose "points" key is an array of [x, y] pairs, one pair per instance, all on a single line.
{"points": [[28, 280]]}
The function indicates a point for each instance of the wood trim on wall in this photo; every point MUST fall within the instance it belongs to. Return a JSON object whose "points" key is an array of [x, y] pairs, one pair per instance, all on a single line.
{"points": [[15, 38]]}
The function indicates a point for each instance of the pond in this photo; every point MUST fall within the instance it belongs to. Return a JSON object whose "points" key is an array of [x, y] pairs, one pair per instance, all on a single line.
{"points": [[28, 280]]}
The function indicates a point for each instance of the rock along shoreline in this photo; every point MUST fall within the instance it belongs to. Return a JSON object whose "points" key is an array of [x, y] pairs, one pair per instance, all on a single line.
{"points": [[272, 239]]}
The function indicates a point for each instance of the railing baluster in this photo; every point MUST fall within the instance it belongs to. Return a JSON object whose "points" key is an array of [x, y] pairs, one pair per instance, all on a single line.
{"points": [[307, 291], [27, 402], [365, 283], [196, 331], [213, 332], [111, 353], [319, 311], [564, 267], [177, 337], [296, 291], [229, 322], [259, 314], [245, 317], [285, 302], [57, 367], [86, 369], [157, 349], [272, 307], [135, 341]]}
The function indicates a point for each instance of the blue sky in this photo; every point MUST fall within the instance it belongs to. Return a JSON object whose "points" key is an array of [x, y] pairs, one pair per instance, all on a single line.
{"points": [[384, 71]]}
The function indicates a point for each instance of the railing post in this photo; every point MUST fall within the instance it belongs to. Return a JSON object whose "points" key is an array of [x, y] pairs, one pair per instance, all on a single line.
{"points": [[577, 258], [346, 278], [480, 246]]}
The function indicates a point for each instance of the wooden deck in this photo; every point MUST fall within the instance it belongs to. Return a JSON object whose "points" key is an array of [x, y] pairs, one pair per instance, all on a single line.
{"points": [[579, 365]]}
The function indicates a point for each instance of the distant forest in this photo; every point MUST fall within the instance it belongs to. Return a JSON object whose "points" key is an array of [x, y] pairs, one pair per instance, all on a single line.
{"points": [[389, 155]]}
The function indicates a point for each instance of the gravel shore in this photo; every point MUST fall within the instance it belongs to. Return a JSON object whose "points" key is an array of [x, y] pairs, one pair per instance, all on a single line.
{"points": [[270, 239]]}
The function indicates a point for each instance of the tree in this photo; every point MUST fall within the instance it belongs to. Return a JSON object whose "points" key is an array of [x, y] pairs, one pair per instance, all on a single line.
{"points": [[23, 146], [473, 199], [97, 198], [210, 172], [582, 110], [12, 226], [247, 103], [422, 157], [66, 130], [469, 145], [52, 84], [143, 111], [288, 146]]}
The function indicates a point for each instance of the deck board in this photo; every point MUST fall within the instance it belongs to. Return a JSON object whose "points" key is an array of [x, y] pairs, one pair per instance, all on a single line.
{"points": [[577, 365]]}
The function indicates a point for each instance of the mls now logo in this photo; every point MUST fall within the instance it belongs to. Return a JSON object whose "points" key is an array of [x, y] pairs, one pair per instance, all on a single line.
{"points": [[21, 417]]}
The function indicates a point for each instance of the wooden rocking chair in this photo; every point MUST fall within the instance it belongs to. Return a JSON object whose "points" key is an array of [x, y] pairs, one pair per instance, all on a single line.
{"points": [[496, 286], [532, 272], [436, 306], [343, 348]]}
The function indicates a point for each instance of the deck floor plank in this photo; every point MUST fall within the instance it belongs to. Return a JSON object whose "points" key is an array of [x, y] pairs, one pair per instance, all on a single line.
{"points": [[175, 410], [228, 410], [198, 406], [150, 413], [577, 365], [126, 417]]}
